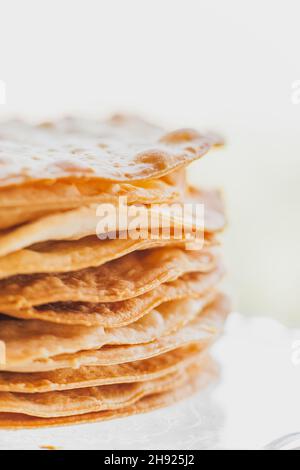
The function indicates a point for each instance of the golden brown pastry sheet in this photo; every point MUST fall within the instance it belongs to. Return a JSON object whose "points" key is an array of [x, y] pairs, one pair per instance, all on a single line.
{"points": [[121, 279], [32, 341], [85, 221], [95, 376], [204, 330], [122, 149], [117, 314], [196, 379]]}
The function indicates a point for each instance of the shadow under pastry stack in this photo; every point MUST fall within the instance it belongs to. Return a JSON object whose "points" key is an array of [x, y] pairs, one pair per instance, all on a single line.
{"points": [[95, 327]]}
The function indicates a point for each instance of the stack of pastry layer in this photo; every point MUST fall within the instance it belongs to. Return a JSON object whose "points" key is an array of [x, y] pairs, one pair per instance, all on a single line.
{"points": [[94, 328]]}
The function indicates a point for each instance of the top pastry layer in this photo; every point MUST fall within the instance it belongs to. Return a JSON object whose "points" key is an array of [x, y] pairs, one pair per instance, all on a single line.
{"points": [[120, 149]]}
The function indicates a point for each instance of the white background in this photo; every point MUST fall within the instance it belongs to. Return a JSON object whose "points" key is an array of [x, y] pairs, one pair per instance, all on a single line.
{"points": [[225, 65]]}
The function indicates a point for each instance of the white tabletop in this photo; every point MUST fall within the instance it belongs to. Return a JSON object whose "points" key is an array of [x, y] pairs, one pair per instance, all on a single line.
{"points": [[256, 402]]}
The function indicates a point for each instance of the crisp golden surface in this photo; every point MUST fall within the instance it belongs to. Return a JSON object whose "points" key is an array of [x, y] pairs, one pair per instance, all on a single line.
{"points": [[19, 204], [93, 376], [83, 222], [204, 329], [116, 314], [122, 149], [86, 400], [32, 340], [67, 256], [64, 195], [30, 202], [197, 379], [121, 279]]}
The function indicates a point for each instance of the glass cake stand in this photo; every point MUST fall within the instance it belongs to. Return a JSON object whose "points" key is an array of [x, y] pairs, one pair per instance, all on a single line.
{"points": [[254, 406]]}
